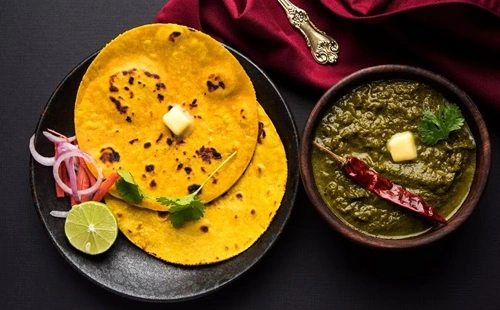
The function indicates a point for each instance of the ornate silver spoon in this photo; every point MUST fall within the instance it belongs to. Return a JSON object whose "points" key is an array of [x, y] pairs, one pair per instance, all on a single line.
{"points": [[323, 47]]}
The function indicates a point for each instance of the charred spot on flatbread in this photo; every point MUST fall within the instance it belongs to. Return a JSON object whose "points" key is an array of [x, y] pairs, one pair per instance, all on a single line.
{"points": [[193, 188], [118, 105], [262, 133], [159, 137], [109, 155], [174, 35], [208, 153], [215, 82]]}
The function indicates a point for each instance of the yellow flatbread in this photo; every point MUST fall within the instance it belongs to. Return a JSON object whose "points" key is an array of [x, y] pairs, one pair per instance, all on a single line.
{"points": [[135, 80], [232, 222]]}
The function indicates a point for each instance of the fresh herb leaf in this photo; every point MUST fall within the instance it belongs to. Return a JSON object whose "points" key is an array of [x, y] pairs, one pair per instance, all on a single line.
{"points": [[189, 207], [434, 128], [128, 189]]}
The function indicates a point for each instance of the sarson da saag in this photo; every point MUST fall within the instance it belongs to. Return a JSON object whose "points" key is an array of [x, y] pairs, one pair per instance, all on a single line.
{"points": [[360, 124]]}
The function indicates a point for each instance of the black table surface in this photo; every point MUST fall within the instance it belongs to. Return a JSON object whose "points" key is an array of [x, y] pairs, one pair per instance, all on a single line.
{"points": [[309, 267]]}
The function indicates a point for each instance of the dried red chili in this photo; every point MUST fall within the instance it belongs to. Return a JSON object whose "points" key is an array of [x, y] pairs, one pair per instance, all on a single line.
{"points": [[363, 175]]}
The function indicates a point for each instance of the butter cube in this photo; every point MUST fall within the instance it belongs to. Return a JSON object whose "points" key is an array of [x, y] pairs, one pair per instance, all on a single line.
{"points": [[402, 146], [178, 121]]}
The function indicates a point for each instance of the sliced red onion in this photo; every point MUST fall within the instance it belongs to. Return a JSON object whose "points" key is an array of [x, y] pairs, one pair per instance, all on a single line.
{"points": [[59, 214], [57, 139], [66, 153], [63, 147], [71, 170], [64, 187], [46, 161]]}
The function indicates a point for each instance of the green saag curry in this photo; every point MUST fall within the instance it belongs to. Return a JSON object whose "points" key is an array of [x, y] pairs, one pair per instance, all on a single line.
{"points": [[360, 124]]}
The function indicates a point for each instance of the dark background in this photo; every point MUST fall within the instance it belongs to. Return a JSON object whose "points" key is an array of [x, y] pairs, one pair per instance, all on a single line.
{"points": [[309, 267]]}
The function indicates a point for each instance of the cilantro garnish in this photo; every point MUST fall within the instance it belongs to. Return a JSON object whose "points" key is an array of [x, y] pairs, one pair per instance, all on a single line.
{"points": [[189, 207], [182, 209], [128, 189], [434, 128]]}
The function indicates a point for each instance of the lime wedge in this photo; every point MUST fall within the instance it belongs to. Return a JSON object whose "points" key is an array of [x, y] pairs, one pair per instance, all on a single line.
{"points": [[91, 227]]}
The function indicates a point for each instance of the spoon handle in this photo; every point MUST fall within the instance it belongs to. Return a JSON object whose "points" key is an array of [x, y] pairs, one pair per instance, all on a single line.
{"points": [[323, 47]]}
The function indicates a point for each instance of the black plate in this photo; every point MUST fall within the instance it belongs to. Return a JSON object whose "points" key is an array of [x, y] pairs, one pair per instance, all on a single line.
{"points": [[125, 269]]}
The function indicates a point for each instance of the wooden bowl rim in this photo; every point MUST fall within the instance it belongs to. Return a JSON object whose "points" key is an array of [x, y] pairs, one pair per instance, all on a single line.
{"points": [[446, 88]]}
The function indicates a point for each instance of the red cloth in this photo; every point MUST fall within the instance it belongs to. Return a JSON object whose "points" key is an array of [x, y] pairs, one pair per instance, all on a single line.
{"points": [[459, 39]]}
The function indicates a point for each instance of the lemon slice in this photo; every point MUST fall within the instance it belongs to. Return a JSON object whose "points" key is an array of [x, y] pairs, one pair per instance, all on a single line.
{"points": [[91, 227]]}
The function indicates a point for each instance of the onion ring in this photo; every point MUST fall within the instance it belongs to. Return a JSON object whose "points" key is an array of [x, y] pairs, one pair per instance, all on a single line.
{"points": [[46, 161], [64, 187]]}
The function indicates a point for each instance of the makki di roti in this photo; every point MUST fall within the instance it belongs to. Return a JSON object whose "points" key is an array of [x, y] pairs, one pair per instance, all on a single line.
{"points": [[129, 86], [232, 222], [135, 80]]}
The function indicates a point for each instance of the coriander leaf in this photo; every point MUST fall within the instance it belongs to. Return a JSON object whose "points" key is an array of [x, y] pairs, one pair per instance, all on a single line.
{"points": [[179, 218], [189, 207], [428, 129], [453, 118], [176, 203], [128, 189], [434, 128]]}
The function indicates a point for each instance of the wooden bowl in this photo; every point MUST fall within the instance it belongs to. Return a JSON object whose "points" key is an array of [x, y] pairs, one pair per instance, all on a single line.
{"points": [[453, 94]]}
